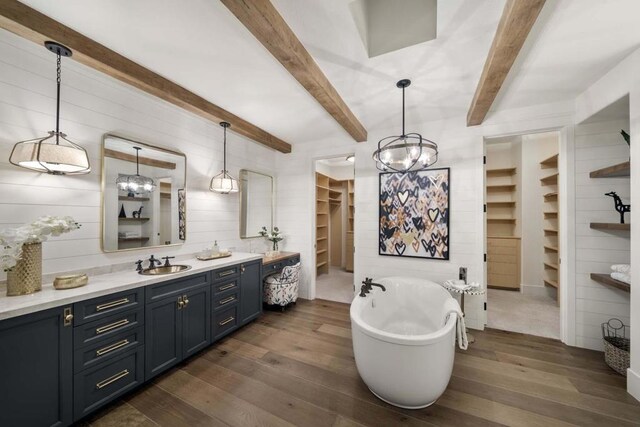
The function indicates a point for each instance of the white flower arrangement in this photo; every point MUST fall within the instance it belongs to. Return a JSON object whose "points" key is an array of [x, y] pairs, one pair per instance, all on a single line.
{"points": [[12, 239]]}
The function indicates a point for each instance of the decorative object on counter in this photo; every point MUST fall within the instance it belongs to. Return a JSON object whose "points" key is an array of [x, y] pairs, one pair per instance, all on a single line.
{"points": [[414, 214], [70, 281], [182, 214], [405, 152], [21, 252], [54, 153], [274, 237], [215, 250], [123, 214], [617, 345], [223, 182], [282, 289], [619, 206], [136, 184], [209, 256], [137, 214]]}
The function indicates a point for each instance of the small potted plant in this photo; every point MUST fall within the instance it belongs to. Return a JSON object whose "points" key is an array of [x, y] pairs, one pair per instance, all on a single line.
{"points": [[274, 237]]}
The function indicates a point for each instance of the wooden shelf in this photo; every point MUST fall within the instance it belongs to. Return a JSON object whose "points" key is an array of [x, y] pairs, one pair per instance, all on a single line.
{"points": [[501, 204], [335, 200], [133, 239], [550, 180], [321, 251], [550, 215], [322, 187], [550, 162], [321, 238], [615, 171], [550, 282], [550, 266], [320, 264], [133, 219], [321, 226], [331, 190], [501, 172], [550, 231], [502, 220], [549, 248], [133, 199], [551, 197], [607, 280], [610, 226], [502, 188]]}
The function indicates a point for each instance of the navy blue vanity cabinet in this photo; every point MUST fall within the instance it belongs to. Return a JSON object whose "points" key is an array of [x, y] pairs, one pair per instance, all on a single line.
{"points": [[177, 321], [36, 369], [250, 291]]}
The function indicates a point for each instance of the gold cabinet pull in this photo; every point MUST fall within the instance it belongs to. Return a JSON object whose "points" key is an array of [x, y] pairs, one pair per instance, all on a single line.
{"points": [[186, 300], [113, 379], [112, 304], [225, 287], [112, 347], [180, 303], [114, 325], [227, 300], [226, 273], [224, 322], [68, 316]]}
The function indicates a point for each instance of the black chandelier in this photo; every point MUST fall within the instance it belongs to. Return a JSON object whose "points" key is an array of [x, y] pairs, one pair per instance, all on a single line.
{"points": [[406, 152]]}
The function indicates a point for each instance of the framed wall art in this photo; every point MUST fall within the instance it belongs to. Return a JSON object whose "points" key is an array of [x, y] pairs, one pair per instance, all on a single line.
{"points": [[414, 214], [182, 214]]}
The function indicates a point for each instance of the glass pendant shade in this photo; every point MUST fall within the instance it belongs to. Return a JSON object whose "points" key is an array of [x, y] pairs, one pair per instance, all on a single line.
{"points": [[136, 184], [224, 183], [406, 152], [54, 153]]}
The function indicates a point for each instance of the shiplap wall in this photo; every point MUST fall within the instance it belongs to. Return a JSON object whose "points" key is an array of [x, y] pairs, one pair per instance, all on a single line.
{"points": [[599, 145], [92, 105]]}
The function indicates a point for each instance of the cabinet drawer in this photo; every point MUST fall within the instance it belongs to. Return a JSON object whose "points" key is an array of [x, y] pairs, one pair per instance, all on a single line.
{"points": [[292, 261], [225, 321], [225, 273], [272, 268], [102, 384], [108, 349], [98, 308], [502, 268], [175, 288], [226, 299], [226, 285], [107, 328]]}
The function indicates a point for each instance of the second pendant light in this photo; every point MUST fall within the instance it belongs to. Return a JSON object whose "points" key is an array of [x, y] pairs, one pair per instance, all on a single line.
{"points": [[223, 182]]}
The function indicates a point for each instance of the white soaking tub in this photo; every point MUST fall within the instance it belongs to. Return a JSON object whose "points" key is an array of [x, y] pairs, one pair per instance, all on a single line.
{"points": [[404, 340]]}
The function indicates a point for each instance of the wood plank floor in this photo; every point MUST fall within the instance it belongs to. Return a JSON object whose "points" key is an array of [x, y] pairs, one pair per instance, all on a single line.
{"points": [[297, 368]]}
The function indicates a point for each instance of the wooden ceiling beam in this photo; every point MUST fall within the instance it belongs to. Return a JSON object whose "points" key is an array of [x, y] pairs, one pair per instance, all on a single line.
{"points": [[262, 19], [37, 27], [515, 24]]}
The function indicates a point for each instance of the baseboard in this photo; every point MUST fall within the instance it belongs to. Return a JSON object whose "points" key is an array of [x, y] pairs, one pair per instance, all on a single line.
{"points": [[633, 384]]}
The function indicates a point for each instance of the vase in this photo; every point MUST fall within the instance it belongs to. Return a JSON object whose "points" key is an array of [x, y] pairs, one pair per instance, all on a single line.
{"points": [[26, 277]]}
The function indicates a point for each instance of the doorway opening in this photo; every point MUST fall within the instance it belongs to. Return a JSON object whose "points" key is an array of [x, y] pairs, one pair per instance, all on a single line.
{"points": [[522, 233], [335, 212]]}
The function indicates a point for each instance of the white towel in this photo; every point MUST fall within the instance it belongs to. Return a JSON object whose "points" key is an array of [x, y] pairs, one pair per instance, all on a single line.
{"points": [[626, 278], [621, 268], [451, 307]]}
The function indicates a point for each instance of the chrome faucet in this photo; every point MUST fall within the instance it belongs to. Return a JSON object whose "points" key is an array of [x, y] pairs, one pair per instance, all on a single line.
{"points": [[367, 286]]}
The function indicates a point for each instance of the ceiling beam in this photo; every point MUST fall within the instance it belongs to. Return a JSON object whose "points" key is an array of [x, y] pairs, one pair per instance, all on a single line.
{"points": [[517, 19], [262, 19], [37, 27]]}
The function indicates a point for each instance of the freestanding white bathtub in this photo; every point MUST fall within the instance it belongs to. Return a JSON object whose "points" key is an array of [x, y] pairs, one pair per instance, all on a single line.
{"points": [[403, 340]]}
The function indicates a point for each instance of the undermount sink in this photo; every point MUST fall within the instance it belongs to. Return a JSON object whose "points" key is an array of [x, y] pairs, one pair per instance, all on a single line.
{"points": [[159, 271]]}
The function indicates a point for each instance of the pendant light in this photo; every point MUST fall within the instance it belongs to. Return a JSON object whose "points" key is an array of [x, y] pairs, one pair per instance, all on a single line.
{"points": [[406, 152], [54, 153], [223, 182], [136, 184]]}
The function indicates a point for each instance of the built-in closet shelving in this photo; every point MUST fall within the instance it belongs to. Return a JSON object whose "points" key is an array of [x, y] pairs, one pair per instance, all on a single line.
{"points": [[549, 180], [322, 223], [141, 226], [350, 225], [503, 245]]}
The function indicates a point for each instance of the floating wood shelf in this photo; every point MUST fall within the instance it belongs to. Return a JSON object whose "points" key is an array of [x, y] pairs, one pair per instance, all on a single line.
{"points": [[610, 226], [501, 172], [551, 197], [615, 171], [550, 180], [133, 239], [549, 248], [550, 266], [550, 215], [501, 204], [133, 219], [497, 188], [607, 280], [550, 282], [502, 220], [550, 162], [133, 199]]}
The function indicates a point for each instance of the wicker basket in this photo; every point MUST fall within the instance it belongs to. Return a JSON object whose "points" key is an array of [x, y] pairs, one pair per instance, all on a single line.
{"points": [[616, 345]]}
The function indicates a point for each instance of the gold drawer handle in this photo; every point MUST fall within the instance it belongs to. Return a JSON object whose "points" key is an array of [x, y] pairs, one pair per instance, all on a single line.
{"points": [[111, 380], [112, 304], [224, 322], [114, 325], [227, 300], [225, 287], [226, 273], [112, 347]]}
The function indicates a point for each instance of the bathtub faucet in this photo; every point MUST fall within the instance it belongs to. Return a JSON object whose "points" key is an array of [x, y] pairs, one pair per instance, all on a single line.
{"points": [[367, 285]]}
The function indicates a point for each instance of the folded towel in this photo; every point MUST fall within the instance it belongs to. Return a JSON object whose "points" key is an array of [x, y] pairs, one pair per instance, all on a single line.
{"points": [[452, 308], [626, 278], [621, 268]]}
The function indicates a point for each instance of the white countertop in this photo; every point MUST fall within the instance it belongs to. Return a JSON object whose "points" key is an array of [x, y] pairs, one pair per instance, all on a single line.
{"points": [[106, 284]]}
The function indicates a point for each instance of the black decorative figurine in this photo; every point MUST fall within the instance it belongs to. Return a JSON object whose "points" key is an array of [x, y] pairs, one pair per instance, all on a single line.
{"points": [[137, 214], [123, 214], [620, 207]]}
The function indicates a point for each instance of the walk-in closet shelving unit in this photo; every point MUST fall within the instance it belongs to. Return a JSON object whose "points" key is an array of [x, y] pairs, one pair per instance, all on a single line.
{"points": [[322, 223], [549, 181], [350, 225], [503, 245]]}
